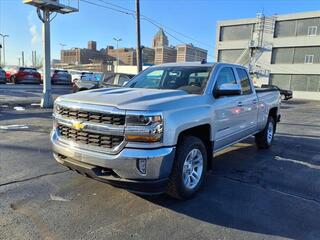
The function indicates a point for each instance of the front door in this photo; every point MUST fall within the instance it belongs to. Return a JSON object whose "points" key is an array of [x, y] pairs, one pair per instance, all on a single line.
{"points": [[227, 112]]}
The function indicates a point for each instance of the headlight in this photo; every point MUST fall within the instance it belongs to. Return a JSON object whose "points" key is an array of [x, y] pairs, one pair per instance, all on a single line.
{"points": [[140, 120], [141, 128]]}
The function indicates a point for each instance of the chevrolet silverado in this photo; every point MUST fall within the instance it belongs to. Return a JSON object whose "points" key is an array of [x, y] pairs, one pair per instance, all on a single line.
{"points": [[160, 131]]}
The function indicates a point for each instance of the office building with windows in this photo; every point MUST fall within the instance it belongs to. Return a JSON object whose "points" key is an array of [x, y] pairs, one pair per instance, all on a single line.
{"points": [[81, 55], [283, 50], [190, 53]]}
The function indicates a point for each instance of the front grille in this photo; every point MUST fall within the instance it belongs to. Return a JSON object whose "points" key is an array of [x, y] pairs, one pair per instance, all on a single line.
{"points": [[92, 139], [104, 118]]}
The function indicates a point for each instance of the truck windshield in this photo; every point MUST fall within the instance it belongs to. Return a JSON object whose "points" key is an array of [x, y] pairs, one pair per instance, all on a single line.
{"points": [[189, 79]]}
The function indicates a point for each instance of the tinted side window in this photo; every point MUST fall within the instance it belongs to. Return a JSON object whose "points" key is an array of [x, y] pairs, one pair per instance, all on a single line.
{"points": [[244, 81], [226, 75]]}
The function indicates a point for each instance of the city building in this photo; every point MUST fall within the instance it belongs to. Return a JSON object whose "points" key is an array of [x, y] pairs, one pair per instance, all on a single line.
{"points": [[81, 55], [283, 50], [148, 55], [165, 55], [128, 56], [92, 45], [190, 53], [160, 39]]}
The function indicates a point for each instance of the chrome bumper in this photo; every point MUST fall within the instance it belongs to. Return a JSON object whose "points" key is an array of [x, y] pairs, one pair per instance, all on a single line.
{"points": [[124, 164]]}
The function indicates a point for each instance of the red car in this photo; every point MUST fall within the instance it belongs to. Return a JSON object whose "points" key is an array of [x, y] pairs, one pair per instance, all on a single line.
{"points": [[26, 75]]}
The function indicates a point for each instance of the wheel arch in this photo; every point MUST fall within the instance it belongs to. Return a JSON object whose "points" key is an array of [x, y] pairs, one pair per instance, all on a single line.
{"points": [[203, 132]]}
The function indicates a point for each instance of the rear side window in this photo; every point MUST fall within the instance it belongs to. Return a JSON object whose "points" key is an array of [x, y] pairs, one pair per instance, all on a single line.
{"points": [[226, 75], [244, 81]]}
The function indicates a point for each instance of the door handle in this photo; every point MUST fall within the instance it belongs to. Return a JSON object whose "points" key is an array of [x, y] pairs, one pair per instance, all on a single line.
{"points": [[240, 104]]}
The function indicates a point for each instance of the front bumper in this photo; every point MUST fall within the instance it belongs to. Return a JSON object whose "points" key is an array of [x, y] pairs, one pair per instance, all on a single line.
{"points": [[120, 169], [29, 80]]}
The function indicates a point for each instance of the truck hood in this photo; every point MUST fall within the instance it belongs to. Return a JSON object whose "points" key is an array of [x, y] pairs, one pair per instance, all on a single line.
{"points": [[135, 98]]}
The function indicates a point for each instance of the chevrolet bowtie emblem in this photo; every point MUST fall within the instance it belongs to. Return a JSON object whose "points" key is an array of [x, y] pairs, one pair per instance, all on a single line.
{"points": [[78, 125]]}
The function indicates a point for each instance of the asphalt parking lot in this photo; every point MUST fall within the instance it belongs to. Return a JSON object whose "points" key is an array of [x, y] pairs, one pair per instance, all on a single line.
{"points": [[250, 194]]}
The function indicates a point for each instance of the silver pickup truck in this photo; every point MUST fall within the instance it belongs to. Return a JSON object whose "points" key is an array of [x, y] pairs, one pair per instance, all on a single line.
{"points": [[158, 133]]}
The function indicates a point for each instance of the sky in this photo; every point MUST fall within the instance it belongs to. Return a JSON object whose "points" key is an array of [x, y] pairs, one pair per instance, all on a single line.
{"points": [[185, 21]]}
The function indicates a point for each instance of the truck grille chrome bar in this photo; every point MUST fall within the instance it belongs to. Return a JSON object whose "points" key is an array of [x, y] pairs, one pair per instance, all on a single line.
{"points": [[100, 129], [95, 117], [93, 139]]}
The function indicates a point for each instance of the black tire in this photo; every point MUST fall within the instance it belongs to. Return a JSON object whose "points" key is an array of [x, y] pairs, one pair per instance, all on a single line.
{"points": [[262, 139], [176, 187]]}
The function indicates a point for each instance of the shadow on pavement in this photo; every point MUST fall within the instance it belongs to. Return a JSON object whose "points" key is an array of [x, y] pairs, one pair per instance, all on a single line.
{"points": [[250, 191]]}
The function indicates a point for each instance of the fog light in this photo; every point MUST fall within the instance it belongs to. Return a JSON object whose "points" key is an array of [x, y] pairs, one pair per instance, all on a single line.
{"points": [[142, 165]]}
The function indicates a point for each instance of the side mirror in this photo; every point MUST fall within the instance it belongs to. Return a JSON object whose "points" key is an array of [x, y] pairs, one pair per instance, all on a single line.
{"points": [[227, 89]]}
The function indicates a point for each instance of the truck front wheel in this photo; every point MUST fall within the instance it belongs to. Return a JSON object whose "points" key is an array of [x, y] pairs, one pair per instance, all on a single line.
{"points": [[189, 168], [265, 137]]}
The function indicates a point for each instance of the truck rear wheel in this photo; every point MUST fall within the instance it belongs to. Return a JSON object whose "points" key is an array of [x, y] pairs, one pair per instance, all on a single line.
{"points": [[189, 168], [264, 138]]}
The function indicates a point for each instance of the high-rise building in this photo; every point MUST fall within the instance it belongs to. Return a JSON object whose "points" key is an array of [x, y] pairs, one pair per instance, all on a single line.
{"points": [[165, 55], [283, 50], [92, 45], [160, 39], [190, 53]]}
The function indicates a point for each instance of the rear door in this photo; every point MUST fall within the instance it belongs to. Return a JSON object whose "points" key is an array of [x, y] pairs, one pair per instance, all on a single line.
{"points": [[248, 104]]}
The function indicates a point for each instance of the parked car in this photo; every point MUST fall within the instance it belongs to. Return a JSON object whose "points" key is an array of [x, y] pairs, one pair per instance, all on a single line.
{"points": [[76, 75], [10, 71], [61, 77], [88, 80], [159, 132], [26, 75], [116, 79], [285, 94], [2, 76], [92, 81]]}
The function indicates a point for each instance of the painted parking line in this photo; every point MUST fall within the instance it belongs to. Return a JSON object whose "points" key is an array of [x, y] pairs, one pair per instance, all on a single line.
{"points": [[313, 166], [13, 127]]}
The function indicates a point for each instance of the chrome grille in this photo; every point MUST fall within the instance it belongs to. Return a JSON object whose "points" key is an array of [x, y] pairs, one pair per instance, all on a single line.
{"points": [[104, 118], [92, 139]]}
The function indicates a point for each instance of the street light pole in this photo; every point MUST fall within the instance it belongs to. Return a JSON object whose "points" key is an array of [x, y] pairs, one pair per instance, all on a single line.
{"points": [[44, 9], [117, 40], [46, 101], [3, 48], [62, 45]]}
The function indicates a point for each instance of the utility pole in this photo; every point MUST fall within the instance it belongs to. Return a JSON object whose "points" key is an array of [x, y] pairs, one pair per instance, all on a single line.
{"points": [[3, 48], [139, 60], [22, 58], [117, 40], [32, 57], [35, 58]]}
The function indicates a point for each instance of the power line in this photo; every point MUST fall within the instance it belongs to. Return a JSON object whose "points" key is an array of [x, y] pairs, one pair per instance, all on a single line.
{"points": [[150, 20], [110, 8]]}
